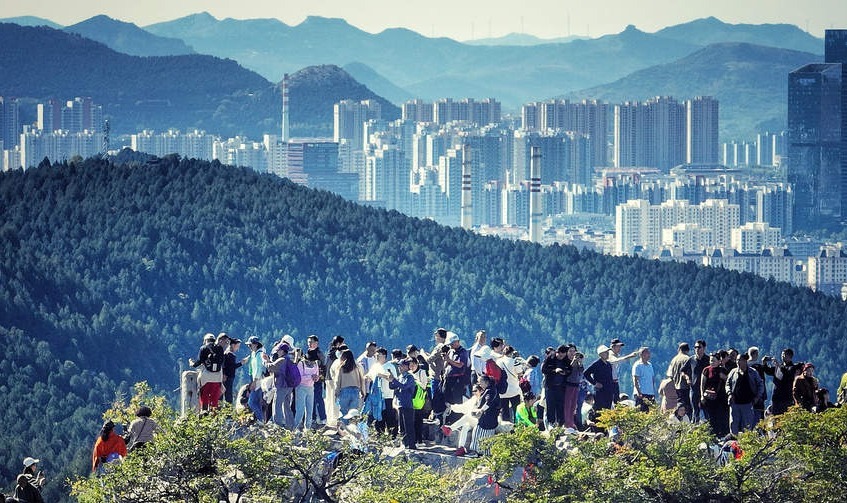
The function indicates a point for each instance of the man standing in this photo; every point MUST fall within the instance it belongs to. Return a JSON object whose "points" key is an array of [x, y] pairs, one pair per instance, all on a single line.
{"points": [[457, 370], [556, 368], [783, 381], [699, 361], [211, 356], [753, 362], [643, 381], [743, 387], [314, 353], [255, 368], [599, 374], [231, 364], [615, 358], [282, 413], [679, 370], [368, 358]]}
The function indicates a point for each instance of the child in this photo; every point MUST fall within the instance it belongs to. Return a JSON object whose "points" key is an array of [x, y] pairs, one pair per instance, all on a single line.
{"points": [[356, 431]]}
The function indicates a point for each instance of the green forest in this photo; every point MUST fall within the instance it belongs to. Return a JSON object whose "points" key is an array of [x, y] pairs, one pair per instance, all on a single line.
{"points": [[111, 272]]}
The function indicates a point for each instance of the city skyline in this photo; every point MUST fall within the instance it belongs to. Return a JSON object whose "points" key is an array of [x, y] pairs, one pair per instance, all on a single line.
{"points": [[464, 21]]}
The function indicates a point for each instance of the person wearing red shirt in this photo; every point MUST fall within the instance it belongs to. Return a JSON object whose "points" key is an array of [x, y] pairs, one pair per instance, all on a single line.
{"points": [[108, 447]]}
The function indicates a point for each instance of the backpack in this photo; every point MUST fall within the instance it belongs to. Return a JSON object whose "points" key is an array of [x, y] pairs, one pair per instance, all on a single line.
{"points": [[525, 385], [214, 362], [502, 383], [419, 400], [292, 374]]}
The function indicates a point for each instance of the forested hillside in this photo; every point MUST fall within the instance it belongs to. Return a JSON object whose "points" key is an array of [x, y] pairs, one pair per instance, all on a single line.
{"points": [[111, 274]]}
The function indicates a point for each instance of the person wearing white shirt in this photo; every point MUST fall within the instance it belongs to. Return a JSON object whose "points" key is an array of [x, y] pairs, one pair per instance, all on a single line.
{"points": [[615, 358], [477, 365]]}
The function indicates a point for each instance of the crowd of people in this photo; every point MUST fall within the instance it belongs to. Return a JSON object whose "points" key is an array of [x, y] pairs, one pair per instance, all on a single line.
{"points": [[489, 387], [469, 394]]}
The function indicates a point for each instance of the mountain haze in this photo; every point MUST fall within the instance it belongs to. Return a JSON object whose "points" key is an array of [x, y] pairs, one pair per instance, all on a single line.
{"points": [[750, 82], [128, 38], [706, 31], [377, 83], [428, 67], [184, 92], [521, 39], [31, 21]]}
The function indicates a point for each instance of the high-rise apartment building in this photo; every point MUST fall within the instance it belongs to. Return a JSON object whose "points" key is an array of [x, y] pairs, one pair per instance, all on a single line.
{"points": [[349, 118], [701, 130], [10, 122]]}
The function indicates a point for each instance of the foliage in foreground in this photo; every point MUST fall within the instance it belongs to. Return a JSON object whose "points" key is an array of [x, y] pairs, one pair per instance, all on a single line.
{"points": [[800, 457], [205, 459]]}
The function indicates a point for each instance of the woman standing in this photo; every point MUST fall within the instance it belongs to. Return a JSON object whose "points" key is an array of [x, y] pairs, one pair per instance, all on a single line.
{"points": [[487, 409], [336, 347], [304, 397], [572, 382], [510, 400], [349, 384], [713, 397]]}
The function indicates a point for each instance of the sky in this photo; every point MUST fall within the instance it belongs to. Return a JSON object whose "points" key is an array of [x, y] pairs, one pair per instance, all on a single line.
{"points": [[463, 19]]}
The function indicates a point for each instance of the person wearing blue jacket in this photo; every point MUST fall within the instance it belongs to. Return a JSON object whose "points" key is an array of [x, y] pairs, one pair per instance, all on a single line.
{"points": [[404, 387]]}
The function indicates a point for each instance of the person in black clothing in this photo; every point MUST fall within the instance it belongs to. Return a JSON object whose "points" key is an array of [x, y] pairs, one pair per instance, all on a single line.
{"points": [[599, 374], [783, 380], [231, 364], [211, 356], [26, 492], [314, 353], [556, 369], [699, 361], [759, 404]]}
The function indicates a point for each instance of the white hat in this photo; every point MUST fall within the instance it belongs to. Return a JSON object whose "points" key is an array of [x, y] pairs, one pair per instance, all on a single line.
{"points": [[30, 461], [602, 348], [484, 353], [288, 340], [451, 338], [352, 414]]}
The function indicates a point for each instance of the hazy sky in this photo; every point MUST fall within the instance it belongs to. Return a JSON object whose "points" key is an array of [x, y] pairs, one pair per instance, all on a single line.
{"points": [[460, 19]]}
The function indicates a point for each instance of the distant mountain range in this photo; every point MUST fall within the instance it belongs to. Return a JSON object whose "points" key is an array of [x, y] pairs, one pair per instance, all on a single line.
{"points": [[128, 38], [31, 21], [750, 82], [746, 70], [711, 30], [426, 67], [191, 91]]}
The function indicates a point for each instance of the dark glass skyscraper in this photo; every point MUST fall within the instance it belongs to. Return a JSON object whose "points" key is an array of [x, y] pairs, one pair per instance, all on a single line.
{"points": [[817, 151]]}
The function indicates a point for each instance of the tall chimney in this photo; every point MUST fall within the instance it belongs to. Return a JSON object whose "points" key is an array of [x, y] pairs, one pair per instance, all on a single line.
{"points": [[535, 196], [285, 130], [467, 201]]}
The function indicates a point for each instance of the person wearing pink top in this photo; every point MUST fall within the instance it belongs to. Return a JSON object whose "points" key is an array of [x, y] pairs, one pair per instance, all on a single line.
{"points": [[304, 394]]}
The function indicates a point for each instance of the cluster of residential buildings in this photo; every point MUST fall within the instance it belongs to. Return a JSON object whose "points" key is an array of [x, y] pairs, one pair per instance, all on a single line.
{"points": [[63, 129], [650, 176]]}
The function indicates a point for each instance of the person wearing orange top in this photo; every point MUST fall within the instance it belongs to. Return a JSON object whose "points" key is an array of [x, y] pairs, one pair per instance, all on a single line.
{"points": [[109, 447]]}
